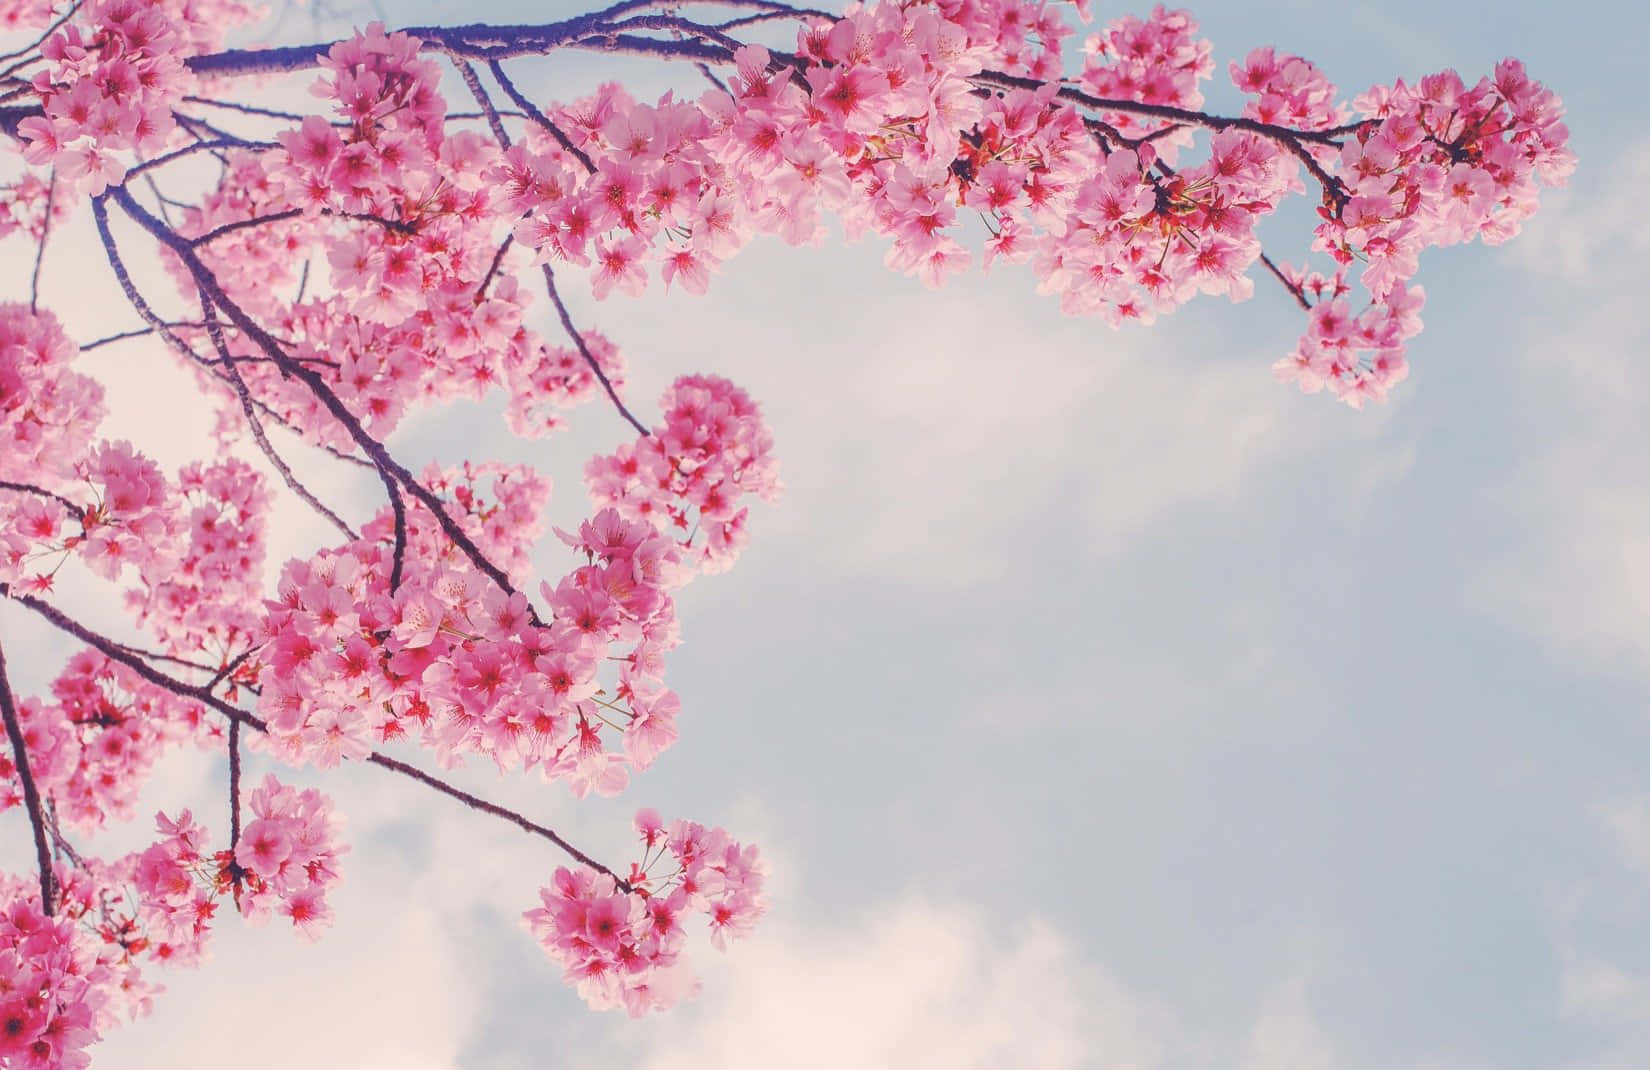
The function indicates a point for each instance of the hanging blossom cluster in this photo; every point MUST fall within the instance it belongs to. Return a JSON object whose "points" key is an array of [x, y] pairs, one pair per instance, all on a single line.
{"points": [[283, 863], [622, 947], [711, 449], [48, 412], [1437, 164]]}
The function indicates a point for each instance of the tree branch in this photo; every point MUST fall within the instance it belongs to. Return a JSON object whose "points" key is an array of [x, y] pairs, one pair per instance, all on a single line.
{"points": [[537, 116], [75, 512], [215, 332], [584, 350], [31, 794], [115, 652], [390, 470], [477, 803], [40, 252]]}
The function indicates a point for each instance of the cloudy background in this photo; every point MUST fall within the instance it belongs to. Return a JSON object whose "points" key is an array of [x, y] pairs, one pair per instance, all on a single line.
{"points": [[1097, 702]]}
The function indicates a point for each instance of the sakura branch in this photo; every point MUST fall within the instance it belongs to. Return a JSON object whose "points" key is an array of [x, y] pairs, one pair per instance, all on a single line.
{"points": [[238, 717], [329, 273], [31, 794]]}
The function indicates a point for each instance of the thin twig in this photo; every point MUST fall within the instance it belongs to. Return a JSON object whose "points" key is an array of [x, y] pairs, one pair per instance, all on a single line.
{"points": [[234, 784], [44, 34], [40, 253], [477, 803], [1293, 288], [396, 225], [537, 116], [710, 76], [31, 794], [584, 350], [211, 145], [29, 488], [229, 668], [248, 109], [492, 269], [215, 332]]}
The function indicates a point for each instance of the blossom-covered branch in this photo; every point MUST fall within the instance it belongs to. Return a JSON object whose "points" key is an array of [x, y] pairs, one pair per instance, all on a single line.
{"points": [[331, 272]]}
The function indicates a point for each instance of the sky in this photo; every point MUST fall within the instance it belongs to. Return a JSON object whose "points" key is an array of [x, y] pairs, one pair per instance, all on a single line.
{"points": [[1096, 701]]}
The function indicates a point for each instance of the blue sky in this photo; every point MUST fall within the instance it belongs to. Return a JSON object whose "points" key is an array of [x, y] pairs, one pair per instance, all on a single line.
{"points": [[1099, 702]]}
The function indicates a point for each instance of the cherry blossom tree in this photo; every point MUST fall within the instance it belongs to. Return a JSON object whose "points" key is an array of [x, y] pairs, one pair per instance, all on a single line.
{"points": [[331, 271]]}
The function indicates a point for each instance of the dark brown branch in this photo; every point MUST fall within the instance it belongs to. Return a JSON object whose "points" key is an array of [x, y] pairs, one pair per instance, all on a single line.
{"points": [[1291, 139], [539, 117], [492, 269], [100, 215], [398, 558], [31, 794], [395, 225], [115, 651], [584, 350], [389, 469], [769, 16], [215, 332], [477, 41], [473, 84], [707, 44], [234, 785], [60, 842], [1293, 288], [477, 803], [112, 650], [40, 252], [73, 510]]}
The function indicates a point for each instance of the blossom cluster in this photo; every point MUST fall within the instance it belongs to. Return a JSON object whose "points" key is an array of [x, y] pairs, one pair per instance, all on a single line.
{"points": [[622, 947], [53, 984], [92, 746], [48, 412], [450, 657], [114, 72], [1431, 165], [710, 450], [1155, 60], [204, 602], [1288, 91], [66, 977], [288, 855], [25, 204]]}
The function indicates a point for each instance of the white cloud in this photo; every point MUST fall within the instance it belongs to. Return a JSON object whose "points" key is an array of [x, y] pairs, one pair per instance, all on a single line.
{"points": [[936, 438], [1286, 1034], [398, 981], [914, 984], [1574, 565], [1603, 986]]}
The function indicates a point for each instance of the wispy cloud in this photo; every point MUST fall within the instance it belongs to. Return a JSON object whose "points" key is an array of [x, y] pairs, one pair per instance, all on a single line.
{"points": [[1574, 568]]}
